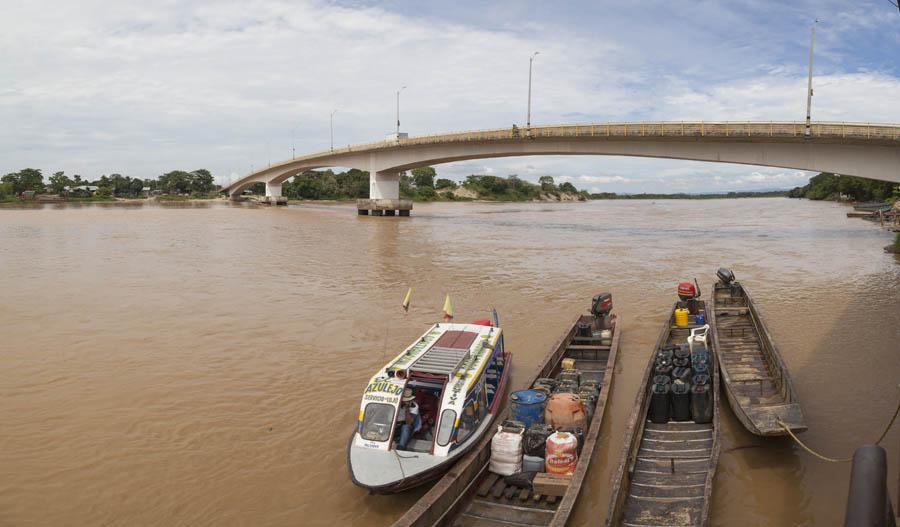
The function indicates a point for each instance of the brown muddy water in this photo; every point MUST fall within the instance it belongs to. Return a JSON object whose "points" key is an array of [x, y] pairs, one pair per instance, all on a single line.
{"points": [[202, 365]]}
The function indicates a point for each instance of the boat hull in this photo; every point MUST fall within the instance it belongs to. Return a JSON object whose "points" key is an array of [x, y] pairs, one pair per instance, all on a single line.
{"points": [[450, 501], [757, 382], [666, 471], [441, 465]]}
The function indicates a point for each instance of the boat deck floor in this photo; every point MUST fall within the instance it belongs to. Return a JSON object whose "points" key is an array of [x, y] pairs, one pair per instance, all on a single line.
{"points": [[495, 503], [669, 480], [752, 378]]}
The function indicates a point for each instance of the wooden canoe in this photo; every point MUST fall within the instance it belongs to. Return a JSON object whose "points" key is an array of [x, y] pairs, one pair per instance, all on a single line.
{"points": [[665, 474], [757, 382], [469, 493]]}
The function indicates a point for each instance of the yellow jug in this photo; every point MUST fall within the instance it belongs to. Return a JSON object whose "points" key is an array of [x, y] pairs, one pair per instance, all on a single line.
{"points": [[681, 317]]}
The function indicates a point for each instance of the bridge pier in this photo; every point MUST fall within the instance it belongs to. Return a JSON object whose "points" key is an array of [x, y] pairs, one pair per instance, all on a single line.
{"points": [[384, 196], [273, 194]]}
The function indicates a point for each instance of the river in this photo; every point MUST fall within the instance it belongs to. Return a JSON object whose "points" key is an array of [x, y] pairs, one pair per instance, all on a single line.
{"points": [[203, 364]]}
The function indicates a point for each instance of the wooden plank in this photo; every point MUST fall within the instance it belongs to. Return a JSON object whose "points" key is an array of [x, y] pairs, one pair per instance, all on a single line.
{"points": [[487, 483], [509, 513], [586, 347], [498, 488], [523, 494], [551, 484], [510, 491]]}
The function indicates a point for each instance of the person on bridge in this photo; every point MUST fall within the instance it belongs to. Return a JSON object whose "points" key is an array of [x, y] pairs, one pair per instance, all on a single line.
{"points": [[409, 419]]}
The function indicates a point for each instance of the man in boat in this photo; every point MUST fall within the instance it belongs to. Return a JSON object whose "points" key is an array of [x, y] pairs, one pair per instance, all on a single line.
{"points": [[409, 419]]}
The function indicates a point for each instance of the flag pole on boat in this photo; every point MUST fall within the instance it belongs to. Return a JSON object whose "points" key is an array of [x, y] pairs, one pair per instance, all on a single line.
{"points": [[448, 309], [406, 300]]}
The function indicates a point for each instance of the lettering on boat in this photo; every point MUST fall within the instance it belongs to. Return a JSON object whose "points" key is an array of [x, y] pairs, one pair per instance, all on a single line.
{"points": [[384, 387]]}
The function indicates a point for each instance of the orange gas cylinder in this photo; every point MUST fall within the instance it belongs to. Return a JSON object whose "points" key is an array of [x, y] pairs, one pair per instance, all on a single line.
{"points": [[565, 410], [562, 453]]}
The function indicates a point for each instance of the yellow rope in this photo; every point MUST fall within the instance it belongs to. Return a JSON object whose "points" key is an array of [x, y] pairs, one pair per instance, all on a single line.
{"points": [[841, 459], [811, 451]]}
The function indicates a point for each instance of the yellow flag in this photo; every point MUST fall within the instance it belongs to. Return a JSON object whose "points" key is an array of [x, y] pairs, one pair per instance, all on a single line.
{"points": [[448, 309], [406, 299]]}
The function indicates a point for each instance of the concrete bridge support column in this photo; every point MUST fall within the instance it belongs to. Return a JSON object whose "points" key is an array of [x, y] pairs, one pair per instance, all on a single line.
{"points": [[384, 196], [273, 194]]}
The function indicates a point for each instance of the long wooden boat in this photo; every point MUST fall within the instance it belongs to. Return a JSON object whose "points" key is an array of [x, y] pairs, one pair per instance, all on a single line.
{"points": [[665, 475], [757, 382], [457, 374], [470, 494]]}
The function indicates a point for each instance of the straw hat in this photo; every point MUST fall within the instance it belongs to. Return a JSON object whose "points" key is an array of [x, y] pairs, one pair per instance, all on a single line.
{"points": [[408, 395]]}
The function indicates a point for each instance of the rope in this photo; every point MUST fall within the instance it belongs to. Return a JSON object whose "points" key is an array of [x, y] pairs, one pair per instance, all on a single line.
{"points": [[841, 459], [811, 451]]}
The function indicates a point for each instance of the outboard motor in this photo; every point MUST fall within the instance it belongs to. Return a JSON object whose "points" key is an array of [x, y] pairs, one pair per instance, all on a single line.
{"points": [[689, 293], [726, 276], [602, 305]]}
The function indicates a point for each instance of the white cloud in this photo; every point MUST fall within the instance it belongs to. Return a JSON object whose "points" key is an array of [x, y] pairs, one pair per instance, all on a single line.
{"points": [[139, 88]]}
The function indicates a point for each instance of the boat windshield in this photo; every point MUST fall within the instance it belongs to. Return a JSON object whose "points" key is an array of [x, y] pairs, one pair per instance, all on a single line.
{"points": [[377, 421]]}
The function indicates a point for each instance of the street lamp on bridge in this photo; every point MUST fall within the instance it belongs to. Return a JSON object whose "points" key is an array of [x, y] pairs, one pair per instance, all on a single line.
{"points": [[809, 89], [398, 111], [530, 63], [332, 129]]}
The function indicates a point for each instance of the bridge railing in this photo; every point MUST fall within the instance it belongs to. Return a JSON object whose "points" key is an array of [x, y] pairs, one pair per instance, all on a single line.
{"points": [[671, 129], [724, 129]]}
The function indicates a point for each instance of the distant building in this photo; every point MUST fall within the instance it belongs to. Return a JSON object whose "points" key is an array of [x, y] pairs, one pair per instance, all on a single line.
{"points": [[81, 191]]}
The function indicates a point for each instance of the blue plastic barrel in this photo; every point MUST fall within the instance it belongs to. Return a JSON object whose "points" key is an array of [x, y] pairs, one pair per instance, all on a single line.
{"points": [[527, 406]]}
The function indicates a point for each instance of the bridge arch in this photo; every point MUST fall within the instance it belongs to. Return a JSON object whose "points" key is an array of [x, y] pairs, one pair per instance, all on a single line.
{"points": [[871, 151]]}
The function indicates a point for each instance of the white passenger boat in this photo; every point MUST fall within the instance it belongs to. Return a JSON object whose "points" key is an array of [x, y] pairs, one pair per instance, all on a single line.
{"points": [[457, 373]]}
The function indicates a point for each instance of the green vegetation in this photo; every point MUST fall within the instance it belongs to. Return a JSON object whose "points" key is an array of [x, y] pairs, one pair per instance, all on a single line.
{"points": [[421, 184], [196, 184], [834, 187], [894, 247], [327, 184], [681, 195]]}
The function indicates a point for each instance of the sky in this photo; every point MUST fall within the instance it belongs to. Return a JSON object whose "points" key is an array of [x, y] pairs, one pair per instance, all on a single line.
{"points": [[143, 87]]}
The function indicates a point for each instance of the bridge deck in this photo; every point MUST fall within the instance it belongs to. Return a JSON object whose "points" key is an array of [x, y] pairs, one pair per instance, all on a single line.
{"points": [[781, 132]]}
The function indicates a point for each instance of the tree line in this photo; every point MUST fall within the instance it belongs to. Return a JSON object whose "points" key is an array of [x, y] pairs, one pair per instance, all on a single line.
{"points": [[828, 186], [196, 183], [420, 184], [683, 195]]}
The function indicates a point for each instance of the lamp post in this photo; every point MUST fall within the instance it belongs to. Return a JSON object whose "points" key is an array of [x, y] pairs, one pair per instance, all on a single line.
{"points": [[398, 111], [332, 129], [809, 89], [530, 63]]}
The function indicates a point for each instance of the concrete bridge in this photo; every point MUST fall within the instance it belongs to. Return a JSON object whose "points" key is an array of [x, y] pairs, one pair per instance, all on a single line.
{"points": [[865, 150]]}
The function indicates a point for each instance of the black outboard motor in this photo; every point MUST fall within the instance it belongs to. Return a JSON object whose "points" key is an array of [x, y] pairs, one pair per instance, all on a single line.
{"points": [[601, 307], [726, 276]]}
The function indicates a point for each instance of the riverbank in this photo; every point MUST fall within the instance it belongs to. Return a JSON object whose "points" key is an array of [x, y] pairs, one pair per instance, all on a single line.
{"points": [[44, 199]]}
